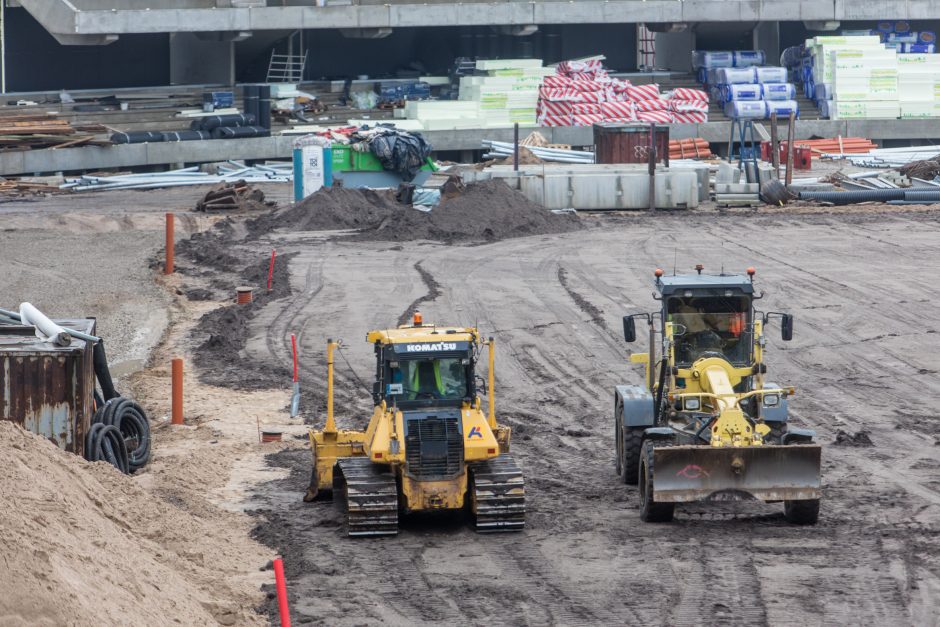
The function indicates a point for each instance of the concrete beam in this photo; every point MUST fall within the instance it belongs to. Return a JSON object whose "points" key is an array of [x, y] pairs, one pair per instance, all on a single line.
{"points": [[63, 18], [280, 147]]}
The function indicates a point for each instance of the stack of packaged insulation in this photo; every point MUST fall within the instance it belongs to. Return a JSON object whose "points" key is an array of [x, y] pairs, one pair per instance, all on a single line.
{"points": [[919, 85], [747, 87], [852, 77], [502, 92], [582, 93]]}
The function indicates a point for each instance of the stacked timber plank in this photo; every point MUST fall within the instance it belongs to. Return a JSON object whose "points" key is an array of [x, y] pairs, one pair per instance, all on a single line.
{"points": [[40, 130]]}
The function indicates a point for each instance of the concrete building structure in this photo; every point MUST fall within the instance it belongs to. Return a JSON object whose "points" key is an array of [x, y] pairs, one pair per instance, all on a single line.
{"points": [[81, 43], [48, 45]]}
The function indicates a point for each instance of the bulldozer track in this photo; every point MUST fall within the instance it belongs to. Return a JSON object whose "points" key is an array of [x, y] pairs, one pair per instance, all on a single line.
{"points": [[368, 494], [498, 495]]}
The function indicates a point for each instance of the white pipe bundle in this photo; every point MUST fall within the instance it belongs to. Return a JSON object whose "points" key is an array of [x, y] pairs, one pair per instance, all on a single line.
{"points": [[505, 149], [231, 172], [888, 157]]}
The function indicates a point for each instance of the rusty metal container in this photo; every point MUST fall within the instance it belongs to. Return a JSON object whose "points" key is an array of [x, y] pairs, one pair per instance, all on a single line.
{"points": [[629, 143], [48, 389]]}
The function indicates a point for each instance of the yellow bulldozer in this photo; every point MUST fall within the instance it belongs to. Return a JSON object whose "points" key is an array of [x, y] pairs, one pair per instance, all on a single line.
{"points": [[429, 446], [707, 425]]}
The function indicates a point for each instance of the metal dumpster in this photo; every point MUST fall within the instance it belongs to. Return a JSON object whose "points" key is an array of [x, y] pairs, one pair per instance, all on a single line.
{"points": [[48, 389]]}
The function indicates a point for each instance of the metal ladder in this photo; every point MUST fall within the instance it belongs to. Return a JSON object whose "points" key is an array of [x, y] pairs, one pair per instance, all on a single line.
{"points": [[288, 68]]}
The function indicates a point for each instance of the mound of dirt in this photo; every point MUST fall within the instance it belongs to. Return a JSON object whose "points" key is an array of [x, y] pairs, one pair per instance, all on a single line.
{"points": [[485, 211], [224, 331], [83, 544]]}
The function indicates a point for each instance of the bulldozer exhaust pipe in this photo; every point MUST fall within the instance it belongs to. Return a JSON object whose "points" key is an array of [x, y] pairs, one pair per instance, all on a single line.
{"points": [[769, 473]]}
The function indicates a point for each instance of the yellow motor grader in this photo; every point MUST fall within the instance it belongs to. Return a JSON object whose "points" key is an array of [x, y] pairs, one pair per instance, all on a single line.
{"points": [[707, 425], [429, 445]]}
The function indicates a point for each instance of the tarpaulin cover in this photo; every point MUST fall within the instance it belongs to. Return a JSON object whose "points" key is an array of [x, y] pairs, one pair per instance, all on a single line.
{"points": [[400, 152]]}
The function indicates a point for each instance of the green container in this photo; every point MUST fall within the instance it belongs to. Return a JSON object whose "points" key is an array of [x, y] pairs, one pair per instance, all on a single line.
{"points": [[345, 159]]}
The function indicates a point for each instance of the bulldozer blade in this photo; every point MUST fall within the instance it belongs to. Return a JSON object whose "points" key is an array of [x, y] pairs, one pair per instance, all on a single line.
{"points": [[705, 473]]}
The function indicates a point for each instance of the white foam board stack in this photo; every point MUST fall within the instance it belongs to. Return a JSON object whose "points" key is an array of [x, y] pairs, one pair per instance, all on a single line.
{"points": [[507, 93]]}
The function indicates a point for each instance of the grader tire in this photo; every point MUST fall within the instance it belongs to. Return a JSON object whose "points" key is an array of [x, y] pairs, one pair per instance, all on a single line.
{"points": [[631, 444], [802, 512], [651, 511]]}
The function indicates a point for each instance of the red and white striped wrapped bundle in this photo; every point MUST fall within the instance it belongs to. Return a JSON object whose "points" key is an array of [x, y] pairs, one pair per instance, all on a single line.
{"points": [[556, 80], [556, 109], [620, 86], [652, 105], [643, 92], [554, 120], [587, 119], [592, 96], [586, 85], [618, 111], [569, 67], [560, 94], [584, 108], [658, 117], [687, 106], [686, 93], [690, 117]]}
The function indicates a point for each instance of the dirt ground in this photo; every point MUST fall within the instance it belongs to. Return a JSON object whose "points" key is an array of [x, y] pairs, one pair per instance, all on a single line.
{"points": [[861, 284]]}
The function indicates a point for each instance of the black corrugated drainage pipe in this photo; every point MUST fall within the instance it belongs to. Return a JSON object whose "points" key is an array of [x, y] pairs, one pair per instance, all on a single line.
{"points": [[850, 198]]}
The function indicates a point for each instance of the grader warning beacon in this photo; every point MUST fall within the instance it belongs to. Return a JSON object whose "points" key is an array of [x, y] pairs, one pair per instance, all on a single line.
{"points": [[429, 445], [707, 425]]}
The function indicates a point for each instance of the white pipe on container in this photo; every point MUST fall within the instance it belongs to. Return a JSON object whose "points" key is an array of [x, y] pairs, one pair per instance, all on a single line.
{"points": [[46, 329]]}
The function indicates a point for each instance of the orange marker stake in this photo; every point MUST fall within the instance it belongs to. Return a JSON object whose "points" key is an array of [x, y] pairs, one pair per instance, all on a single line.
{"points": [[168, 267], [177, 412], [281, 585]]}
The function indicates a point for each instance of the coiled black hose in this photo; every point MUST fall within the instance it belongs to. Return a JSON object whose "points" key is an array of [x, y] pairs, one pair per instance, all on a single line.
{"points": [[131, 421], [106, 443]]}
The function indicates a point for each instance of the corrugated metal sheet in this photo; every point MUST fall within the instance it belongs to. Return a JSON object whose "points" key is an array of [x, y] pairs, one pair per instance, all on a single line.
{"points": [[45, 388]]}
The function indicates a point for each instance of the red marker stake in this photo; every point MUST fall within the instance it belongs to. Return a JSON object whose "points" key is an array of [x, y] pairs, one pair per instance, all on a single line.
{"points": [[271, 268], [281, 591]]}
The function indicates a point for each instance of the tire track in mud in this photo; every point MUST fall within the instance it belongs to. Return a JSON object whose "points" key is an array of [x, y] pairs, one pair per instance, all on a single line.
{"points": [[434, 291]]}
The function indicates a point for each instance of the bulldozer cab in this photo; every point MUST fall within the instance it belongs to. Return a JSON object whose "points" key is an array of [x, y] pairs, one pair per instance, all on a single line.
{"points": [[420, 374], [429, 379]]}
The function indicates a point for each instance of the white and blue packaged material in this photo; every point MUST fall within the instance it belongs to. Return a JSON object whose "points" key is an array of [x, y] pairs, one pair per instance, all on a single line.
{"points": [[705, 60]]}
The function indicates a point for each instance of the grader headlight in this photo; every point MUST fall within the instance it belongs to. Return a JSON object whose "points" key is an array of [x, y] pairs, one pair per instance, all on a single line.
{"points": [[692, 404]]}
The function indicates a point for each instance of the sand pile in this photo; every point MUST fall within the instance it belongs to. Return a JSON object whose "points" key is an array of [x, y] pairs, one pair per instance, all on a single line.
{"points": [[486, 211], [84, 545]]}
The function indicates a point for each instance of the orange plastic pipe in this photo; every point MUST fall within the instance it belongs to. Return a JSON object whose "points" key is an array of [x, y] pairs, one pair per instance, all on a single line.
{"points": [[168, 267], [177, 404]]}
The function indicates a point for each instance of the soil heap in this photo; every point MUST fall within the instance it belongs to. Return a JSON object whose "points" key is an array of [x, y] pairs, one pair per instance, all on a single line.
{"points": [[83, 544], [486, 211]]}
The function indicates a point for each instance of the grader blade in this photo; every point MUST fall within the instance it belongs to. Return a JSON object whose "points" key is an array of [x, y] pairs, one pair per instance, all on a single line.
{"points": [[705, 473]]}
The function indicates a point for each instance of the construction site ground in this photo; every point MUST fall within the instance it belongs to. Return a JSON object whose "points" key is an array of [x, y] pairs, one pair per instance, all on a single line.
{"points": [[862, 283]]}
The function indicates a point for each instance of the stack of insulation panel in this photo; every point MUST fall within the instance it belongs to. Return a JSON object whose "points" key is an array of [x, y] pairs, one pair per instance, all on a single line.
{"points": [[852, 77], [919, 85], [505, 94]]}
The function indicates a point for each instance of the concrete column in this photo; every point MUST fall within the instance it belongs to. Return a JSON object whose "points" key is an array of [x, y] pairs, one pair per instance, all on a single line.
{"points": [[767, 38], [197, 61], [674, 51]]}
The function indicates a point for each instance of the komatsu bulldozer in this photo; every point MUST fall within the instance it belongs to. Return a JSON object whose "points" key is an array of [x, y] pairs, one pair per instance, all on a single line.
{"points": [[707, 425], [429, 445]]}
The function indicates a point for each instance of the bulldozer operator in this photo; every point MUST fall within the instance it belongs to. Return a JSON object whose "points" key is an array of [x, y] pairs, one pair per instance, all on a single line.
{"points": [[442, 379]]}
